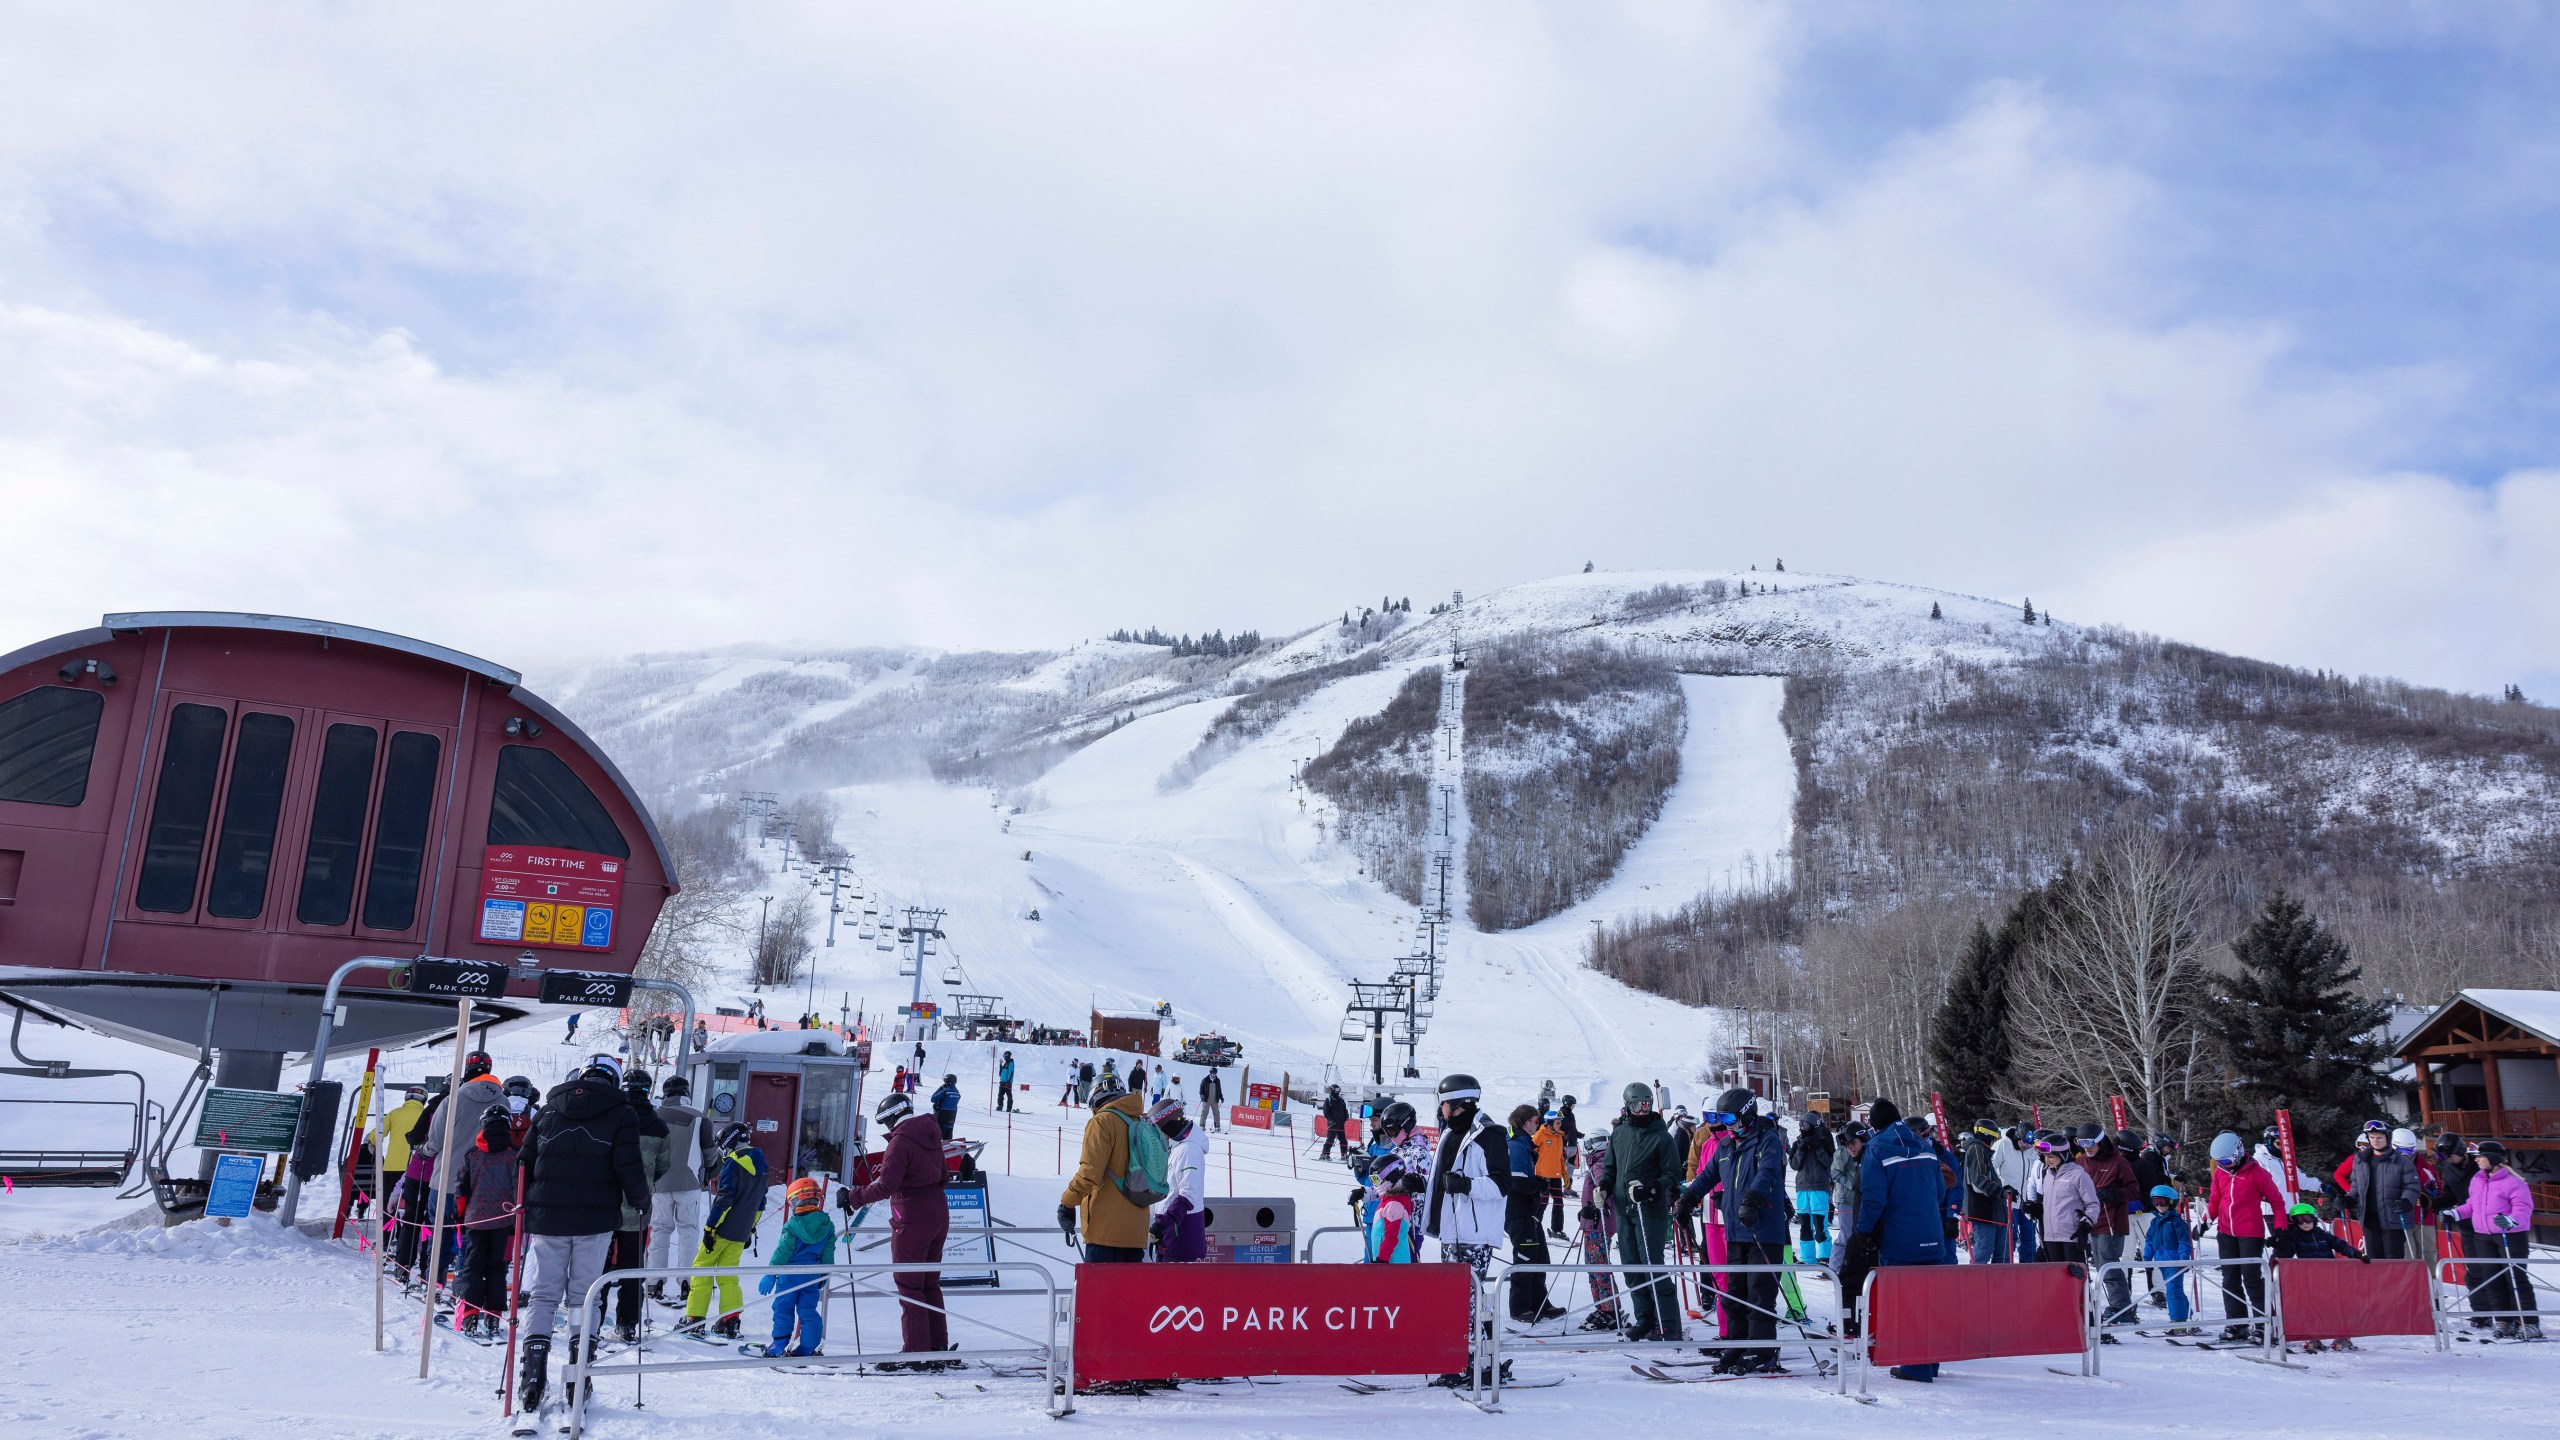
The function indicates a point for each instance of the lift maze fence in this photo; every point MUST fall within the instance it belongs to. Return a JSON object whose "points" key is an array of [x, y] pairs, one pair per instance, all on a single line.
{"points": [[1071, 1328]]}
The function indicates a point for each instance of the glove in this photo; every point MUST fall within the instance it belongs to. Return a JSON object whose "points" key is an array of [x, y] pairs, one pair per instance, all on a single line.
{"points": [[1684, 1210], [1639, 1192], [1067, 1218], [1749, 1214], [1456, 1184], [1864, 1250], [710, 1238], [764, 1284], [2009, 1193], [2360, 1255], [2034, 1209], [2080, 1236], [1359, 1196], [1155, 1227]]}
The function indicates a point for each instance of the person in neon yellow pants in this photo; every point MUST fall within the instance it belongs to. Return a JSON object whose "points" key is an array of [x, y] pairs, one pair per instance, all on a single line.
{"points": [[737, 1203]]}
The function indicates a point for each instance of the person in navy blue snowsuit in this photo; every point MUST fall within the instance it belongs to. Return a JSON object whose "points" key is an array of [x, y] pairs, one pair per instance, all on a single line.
{"points": [[1902, 1204], [1750, 1167]]}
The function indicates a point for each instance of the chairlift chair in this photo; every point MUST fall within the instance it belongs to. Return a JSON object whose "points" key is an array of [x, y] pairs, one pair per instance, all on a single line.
{"points": [[79, 1166]]}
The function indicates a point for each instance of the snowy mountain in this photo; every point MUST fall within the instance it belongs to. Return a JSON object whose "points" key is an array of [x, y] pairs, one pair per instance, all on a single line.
{"points": [[1816, 749]]}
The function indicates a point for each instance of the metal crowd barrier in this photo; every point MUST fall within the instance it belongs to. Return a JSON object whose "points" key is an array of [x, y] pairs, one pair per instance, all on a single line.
{"points": [[1492, 1340], [1307, 1252], [1864, 1346], [1056, 1361], [2475, 1270], [2265, 1320]]}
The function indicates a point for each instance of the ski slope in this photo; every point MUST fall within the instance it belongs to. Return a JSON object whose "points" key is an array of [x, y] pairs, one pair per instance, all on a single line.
{"points": [[1224, 900]]}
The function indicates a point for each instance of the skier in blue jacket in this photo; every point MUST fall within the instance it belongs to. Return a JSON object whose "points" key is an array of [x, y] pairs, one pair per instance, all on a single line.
{"points": [[1902, 1205], [2170, 1238], [1750, 1167]]}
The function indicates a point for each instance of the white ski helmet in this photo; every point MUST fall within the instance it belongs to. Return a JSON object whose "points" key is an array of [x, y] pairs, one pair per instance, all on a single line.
{"points": [[2228, 1147]]}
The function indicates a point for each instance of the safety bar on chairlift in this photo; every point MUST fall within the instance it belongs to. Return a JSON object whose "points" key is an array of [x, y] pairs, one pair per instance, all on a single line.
{"points": [[1057, 1364]]}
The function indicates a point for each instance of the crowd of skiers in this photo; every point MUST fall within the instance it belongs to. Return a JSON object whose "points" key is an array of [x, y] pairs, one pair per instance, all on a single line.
{"points": [[1716, 1189], [600, 1174], [1085, 1084]]}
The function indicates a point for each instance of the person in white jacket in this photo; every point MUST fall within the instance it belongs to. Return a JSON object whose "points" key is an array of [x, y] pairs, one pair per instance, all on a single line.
{"points": [[1180, 1226], [1466, 1201], [2269, 1161], [1463, 1207]]}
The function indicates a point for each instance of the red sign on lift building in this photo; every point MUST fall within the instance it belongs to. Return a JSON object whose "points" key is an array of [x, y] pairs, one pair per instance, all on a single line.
{"points": [[555, 899]]}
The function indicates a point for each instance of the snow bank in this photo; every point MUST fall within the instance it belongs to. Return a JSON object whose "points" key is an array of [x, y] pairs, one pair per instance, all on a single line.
{"points": [[257, 1239]]}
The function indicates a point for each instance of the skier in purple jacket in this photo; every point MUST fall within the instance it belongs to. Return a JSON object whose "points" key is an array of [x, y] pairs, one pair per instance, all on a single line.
{"points": [[910, 1178]]}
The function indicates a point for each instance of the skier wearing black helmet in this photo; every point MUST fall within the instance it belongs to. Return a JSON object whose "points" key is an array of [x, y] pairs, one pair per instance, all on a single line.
{"points": [[1337, 1119], [630, 1238], [581, 1169], [1751, 1168], [1471, 1183]]}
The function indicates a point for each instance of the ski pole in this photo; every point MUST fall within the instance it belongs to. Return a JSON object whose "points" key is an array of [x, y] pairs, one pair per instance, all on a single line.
{"points": [[515, 1289]]}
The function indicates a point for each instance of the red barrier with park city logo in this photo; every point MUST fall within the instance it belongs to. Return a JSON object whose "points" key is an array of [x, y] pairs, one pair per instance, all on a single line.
{"points": [[1165, 1322]]}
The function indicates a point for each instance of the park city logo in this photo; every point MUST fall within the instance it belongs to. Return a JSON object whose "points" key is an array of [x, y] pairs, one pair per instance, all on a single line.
{"points": [[1177, 1317]]}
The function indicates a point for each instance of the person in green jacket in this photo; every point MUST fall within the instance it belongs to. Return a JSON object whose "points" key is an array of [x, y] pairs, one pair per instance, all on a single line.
{"points": [[799, 1301], [1642, 1174]]}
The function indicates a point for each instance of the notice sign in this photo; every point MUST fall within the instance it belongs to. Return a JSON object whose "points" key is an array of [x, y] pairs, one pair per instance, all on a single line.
{"points": [[554, 899], [235, 1186], [1173, 1322], [247, 1120]]}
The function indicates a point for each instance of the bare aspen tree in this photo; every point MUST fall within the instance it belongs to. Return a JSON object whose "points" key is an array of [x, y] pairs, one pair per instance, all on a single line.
{"points": [[2107, 1003]]}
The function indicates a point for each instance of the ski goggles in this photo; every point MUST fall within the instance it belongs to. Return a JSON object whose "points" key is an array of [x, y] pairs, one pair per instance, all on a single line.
{"points": [[1720, 1118]]}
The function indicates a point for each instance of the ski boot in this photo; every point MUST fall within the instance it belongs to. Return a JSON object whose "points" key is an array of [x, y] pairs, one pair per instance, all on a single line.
{"points": [[726, 1327], [658, 1291], [2532, 1330], [535, 1373], [692, 1327], [628, 1332]]}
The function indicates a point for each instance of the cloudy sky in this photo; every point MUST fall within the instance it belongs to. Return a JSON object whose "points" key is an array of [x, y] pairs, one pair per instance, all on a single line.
{"points": [[561, 329]]}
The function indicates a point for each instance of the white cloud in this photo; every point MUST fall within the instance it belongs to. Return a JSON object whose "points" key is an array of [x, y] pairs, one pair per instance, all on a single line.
{"points": [[2394, 575], [602, 329]]}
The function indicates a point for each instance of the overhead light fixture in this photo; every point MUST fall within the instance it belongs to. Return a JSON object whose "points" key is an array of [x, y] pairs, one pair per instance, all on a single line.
{"points": [[524, 726]]}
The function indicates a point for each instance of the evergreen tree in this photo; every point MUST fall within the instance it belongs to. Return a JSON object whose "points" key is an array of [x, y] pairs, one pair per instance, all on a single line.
{"points": [[1969, 1049], [1782, 567], [1586, 567], [2031, 610], [2294, 1035], [1933, 611]]}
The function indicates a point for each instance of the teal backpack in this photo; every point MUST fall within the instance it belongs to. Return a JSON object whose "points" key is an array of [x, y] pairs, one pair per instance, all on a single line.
{"points": [[1145, 1184]]}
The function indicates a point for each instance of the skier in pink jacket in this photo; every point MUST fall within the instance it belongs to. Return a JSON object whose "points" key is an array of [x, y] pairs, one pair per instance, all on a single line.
{"points": [[2242, 1196], [2501, 1214]]}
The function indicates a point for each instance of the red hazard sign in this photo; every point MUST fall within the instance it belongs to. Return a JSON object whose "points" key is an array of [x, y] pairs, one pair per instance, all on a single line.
{"points": [[1172, 1322]]}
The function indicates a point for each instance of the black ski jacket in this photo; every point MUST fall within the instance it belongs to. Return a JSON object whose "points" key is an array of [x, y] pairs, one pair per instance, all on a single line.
{"points": [[1811, 1156], [581, 1162]]}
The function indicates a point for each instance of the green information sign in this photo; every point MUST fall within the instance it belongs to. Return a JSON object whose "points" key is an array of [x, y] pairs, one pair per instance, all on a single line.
{"points": [[248, 1120]]}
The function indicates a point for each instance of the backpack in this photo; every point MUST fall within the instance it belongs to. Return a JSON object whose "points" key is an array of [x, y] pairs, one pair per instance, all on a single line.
{"points": [[1145, 1184]]}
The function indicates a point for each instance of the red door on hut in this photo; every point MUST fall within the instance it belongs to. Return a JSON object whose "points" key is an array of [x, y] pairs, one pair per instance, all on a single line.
{"points": [[773, 1121]]}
